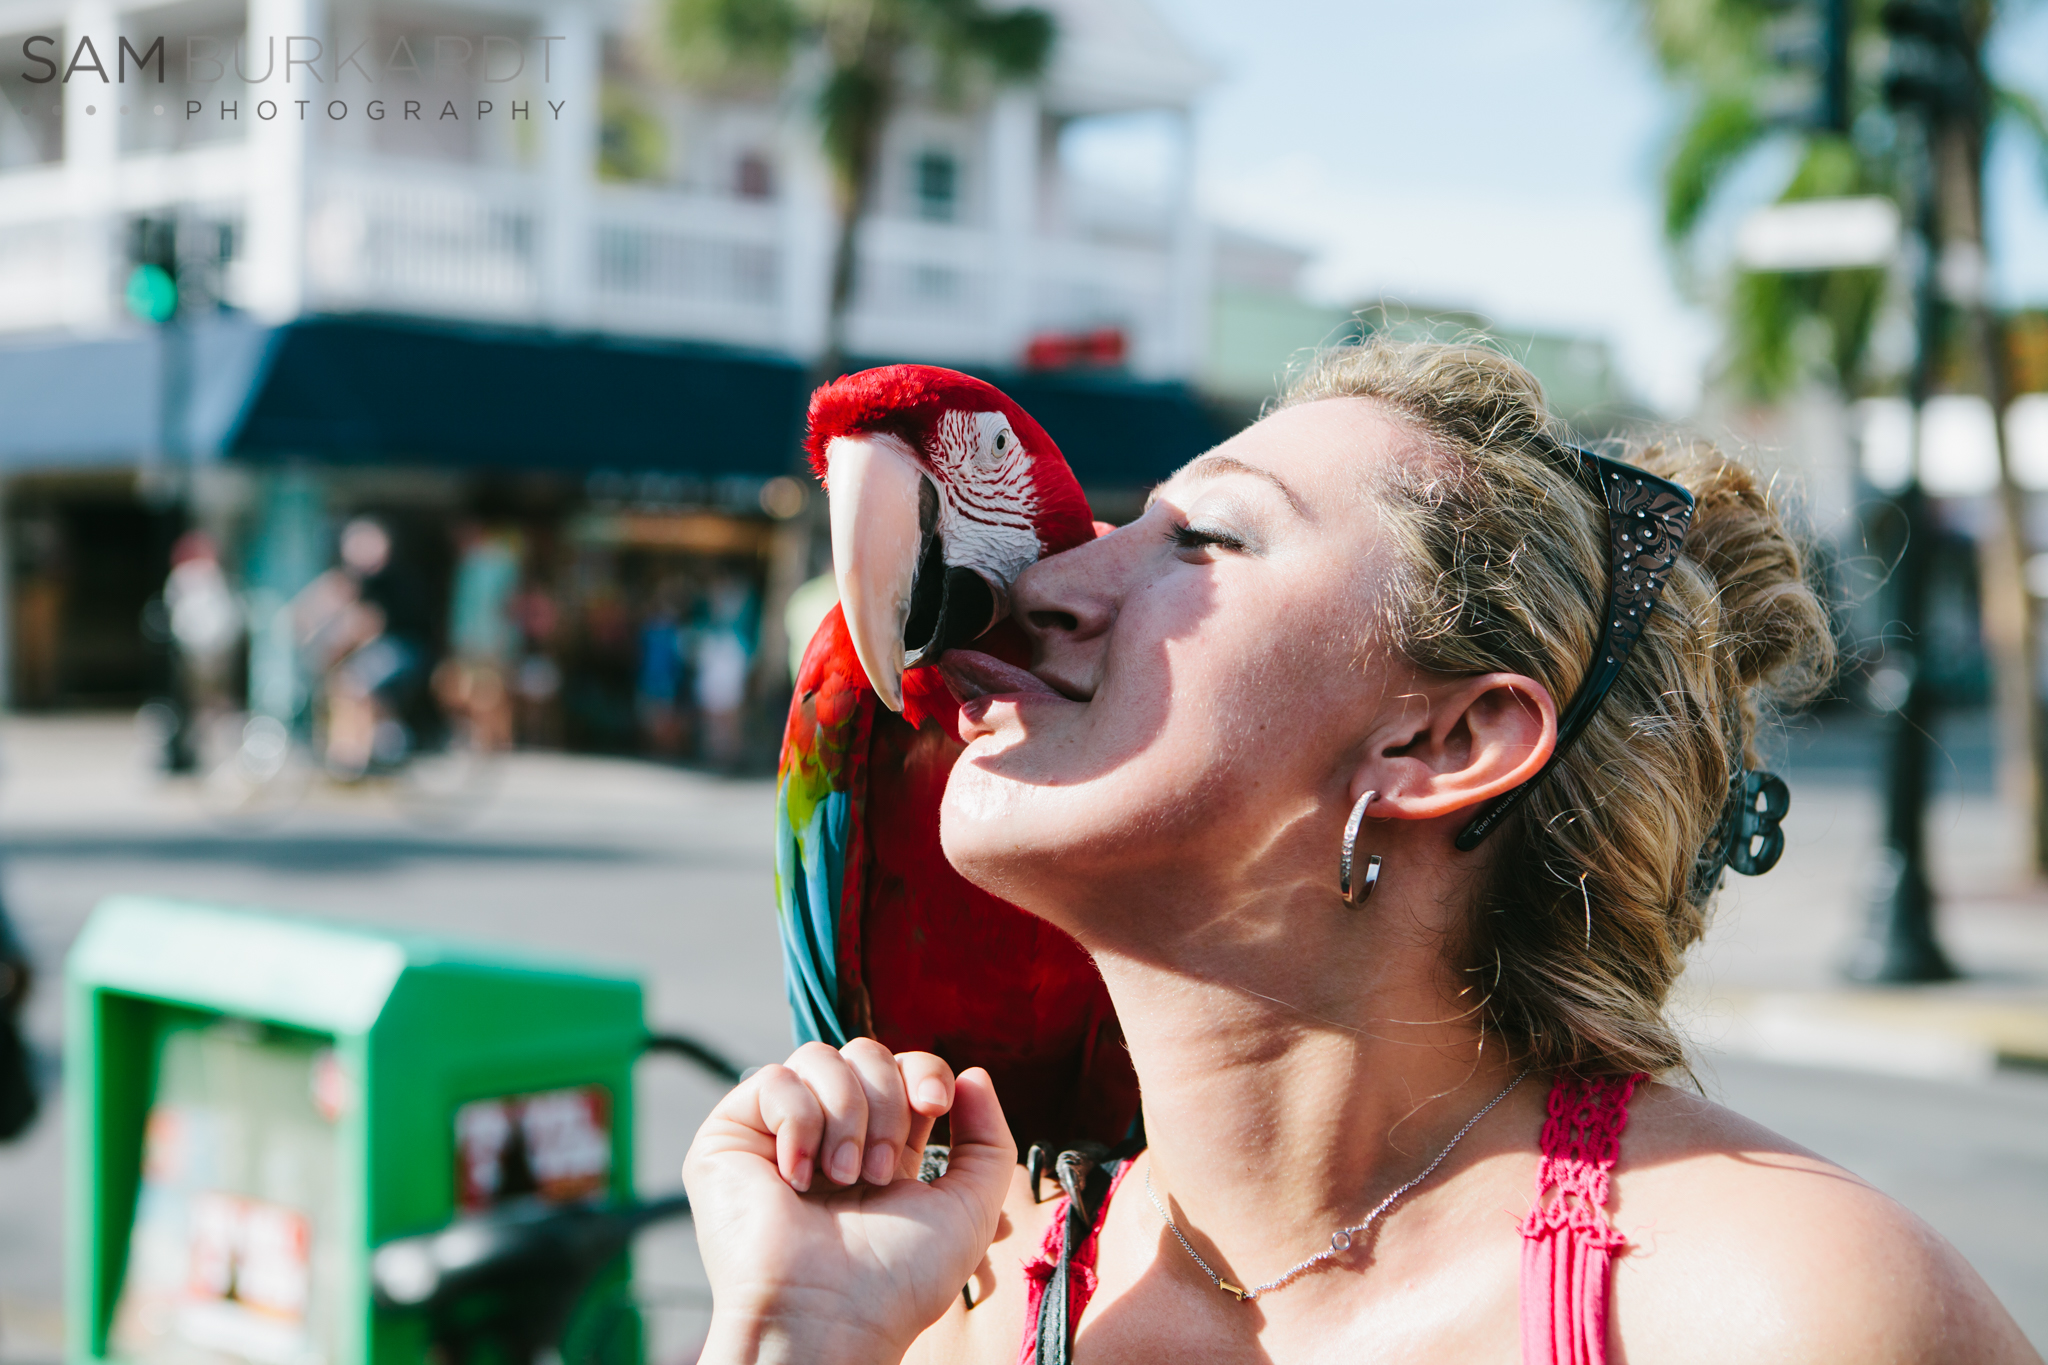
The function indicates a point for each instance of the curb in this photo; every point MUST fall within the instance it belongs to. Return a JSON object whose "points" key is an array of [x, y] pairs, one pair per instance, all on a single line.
{"points": [[1934, 1032]]}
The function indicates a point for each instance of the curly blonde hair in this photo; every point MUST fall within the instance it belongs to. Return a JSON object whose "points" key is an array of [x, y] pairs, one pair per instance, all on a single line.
{"points": [[1594, 893]]}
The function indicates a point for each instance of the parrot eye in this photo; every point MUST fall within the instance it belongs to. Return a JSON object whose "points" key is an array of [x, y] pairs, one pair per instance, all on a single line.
{"points": [[1002, 441]]}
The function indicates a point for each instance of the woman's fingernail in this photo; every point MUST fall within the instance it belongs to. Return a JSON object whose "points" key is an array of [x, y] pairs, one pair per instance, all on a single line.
{"points": [[933, 1092], [845, 1167], [881, 1163], [800, 1174]]}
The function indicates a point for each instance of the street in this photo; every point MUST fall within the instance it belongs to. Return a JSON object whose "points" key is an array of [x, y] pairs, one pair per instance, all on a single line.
{"points": [[667, 873]]}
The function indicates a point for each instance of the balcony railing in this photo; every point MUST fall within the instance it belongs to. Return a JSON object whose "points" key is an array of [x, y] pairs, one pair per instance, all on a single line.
{"points": [[416, 242], [436, 240]]}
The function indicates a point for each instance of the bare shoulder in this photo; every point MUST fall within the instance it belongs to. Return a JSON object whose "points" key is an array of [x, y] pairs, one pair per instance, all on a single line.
{"points": [[1745, 1245]]}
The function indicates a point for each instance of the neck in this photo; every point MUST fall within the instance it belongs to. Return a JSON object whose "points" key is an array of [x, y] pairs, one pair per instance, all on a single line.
{"points": [[1291, 1085]]}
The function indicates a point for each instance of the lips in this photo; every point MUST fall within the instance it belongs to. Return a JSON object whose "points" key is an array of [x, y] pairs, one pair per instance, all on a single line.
{"points": [[971, 675]]}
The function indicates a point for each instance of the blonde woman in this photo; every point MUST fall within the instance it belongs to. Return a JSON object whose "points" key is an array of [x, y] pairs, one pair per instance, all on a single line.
{"points": [[1388, 806]]}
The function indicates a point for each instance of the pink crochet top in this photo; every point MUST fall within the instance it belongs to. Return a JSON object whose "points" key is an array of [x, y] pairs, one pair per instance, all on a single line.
{"points": [[1568, 1246]]}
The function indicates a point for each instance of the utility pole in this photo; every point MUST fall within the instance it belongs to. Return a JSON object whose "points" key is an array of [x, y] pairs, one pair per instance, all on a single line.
{"points": [[1808, 42], [153, 295], [1933, 85]]}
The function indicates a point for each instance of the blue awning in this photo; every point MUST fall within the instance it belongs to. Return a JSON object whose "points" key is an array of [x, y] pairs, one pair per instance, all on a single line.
{"points": [[363, 391]]}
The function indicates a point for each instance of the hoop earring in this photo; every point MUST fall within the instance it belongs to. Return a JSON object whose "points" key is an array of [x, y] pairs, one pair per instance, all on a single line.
{"points": [[1355, 891]]}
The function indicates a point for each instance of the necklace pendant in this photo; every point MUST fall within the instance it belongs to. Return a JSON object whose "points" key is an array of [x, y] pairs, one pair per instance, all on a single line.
{"points": [[1229, 1288]]}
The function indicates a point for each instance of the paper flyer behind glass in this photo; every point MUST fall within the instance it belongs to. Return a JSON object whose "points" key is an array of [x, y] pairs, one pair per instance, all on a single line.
{"points": [[234, 1252]]}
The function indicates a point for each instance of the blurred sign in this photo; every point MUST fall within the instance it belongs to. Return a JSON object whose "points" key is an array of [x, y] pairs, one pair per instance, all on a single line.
{"points": [[236, 1208], [1958, 443], [1820, 234], [251, 1278], [556, 1144], [1102, 348]]}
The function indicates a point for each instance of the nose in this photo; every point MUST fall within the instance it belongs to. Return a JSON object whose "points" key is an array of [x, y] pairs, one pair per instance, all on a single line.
{"points": [[1072, 597]]}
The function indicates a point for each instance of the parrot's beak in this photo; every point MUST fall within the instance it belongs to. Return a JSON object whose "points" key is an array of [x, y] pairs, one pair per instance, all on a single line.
{"points": [[904, 605], [879, 499]]}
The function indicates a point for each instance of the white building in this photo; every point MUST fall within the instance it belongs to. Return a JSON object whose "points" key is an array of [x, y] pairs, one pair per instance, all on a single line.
{"points": [[471, 162], [454, 262]]}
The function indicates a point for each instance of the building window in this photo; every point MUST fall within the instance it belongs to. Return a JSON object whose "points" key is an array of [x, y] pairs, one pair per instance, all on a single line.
{"points": [[938, 186], [754, 178]]}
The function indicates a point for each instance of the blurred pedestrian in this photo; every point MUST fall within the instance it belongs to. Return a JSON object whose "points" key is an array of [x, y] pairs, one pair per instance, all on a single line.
{"points": [[537, 681], [659, 681], [723, 654], [205, 624], [361, 623], [474, 684]]}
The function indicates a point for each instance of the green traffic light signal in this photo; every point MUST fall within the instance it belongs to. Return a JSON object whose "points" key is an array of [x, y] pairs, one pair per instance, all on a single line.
{"points": [[152, 294]]}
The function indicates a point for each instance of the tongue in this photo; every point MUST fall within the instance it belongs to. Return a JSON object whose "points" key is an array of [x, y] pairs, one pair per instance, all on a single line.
{"points": [[970, 674]]}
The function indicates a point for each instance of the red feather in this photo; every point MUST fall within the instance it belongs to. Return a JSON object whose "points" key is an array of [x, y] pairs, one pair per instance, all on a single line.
{"points": [[928, 961]]}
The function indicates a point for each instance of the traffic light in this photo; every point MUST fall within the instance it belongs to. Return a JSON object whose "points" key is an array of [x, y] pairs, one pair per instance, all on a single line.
{"points": [[1808, 42], [1933, 64], [152, 290]]}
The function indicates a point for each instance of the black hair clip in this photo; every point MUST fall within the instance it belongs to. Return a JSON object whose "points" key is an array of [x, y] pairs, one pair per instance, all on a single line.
{"points": [[1748, 837], [1647, 519]]}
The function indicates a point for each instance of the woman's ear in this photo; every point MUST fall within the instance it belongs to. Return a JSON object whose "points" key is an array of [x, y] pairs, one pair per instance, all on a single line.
{"points": [[1476, 738]]}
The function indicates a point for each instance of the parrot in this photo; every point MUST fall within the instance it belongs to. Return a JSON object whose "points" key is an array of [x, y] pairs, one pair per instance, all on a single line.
{"points": [[942, 490]]}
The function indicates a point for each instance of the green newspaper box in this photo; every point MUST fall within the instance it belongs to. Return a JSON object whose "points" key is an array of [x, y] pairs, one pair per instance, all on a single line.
{"points": [[255, 1103]]}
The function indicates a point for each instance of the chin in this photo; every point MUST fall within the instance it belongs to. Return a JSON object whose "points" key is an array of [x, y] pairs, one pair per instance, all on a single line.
{"points": [[1049, 850], [1006, 837], [978, 827]]}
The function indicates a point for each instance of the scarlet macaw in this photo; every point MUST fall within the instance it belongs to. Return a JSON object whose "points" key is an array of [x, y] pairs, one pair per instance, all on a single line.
{"points": [[942, 491]]}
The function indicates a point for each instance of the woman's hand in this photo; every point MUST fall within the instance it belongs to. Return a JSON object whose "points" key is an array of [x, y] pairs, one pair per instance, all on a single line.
{"points": [[820, 1242]]}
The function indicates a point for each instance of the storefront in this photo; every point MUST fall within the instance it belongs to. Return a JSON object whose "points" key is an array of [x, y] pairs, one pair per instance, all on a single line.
{"points": [[583, 536]]}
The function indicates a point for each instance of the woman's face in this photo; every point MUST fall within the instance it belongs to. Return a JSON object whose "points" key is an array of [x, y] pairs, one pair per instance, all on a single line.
{"points": [[1215, 679]]}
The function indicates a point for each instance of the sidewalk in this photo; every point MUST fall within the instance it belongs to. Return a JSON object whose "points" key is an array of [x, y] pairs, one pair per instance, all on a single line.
{"points": [[1766, 981]]}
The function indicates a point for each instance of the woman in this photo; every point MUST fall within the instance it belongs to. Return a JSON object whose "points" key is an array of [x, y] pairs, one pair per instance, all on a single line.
{"points": [[1362, 616]]}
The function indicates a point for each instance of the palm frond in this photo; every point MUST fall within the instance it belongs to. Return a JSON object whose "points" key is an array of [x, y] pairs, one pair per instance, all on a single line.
{"points": [[734, 37], [1723, 127], [2022, 110]]}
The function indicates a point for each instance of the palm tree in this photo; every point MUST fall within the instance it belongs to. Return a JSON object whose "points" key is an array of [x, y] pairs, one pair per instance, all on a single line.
{"points": [[1783, 327], [864, 45], [1717, 51]]}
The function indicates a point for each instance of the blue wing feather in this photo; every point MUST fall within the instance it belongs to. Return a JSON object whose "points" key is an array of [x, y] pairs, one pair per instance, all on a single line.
{"points": [[810, 865]]}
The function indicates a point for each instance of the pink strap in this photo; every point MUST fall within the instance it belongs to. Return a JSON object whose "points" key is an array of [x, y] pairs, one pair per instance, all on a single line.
{"points": [[1038, 1271], [1568, 1246]]}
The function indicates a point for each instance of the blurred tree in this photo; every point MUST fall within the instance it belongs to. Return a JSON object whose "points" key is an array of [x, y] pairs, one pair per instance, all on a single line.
{"points": [[1904, 108], [854, 57], [1732, 58], [863, 48], [630, 144]]}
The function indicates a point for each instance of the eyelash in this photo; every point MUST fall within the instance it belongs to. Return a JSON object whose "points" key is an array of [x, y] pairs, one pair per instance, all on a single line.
{"points": [[1185, 537]]}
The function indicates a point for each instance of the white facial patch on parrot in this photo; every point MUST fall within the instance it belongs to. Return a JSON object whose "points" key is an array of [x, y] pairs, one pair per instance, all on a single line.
{"points": [[987, 502]]}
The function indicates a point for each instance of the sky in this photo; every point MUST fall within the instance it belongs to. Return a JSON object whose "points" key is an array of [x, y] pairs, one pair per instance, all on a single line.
{"points": [[1497, 155]]}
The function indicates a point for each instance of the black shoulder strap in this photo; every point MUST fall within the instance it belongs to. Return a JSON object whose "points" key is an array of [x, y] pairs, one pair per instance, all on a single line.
{"points": [[1085, 1174]]}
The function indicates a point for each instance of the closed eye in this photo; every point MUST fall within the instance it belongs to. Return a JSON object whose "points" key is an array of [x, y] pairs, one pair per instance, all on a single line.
{"points": [[1186, 537]]}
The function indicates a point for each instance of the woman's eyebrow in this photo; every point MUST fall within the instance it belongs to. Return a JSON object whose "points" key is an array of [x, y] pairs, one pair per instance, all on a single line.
{"points": [[1229, 464]]}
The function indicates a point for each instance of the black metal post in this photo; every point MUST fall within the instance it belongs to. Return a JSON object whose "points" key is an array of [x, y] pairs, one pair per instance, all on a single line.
{"points": [[1898, 943]]}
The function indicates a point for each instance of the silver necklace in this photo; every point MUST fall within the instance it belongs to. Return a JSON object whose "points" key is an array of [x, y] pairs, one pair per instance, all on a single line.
{"points": [[1341, 1240]]}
